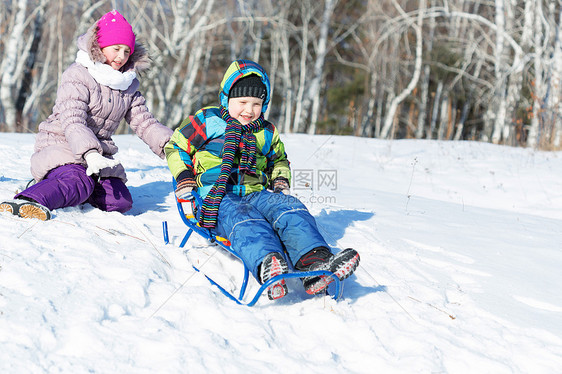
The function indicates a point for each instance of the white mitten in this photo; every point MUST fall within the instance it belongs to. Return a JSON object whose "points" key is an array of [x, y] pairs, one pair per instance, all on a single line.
{"points": [[96, 162]]}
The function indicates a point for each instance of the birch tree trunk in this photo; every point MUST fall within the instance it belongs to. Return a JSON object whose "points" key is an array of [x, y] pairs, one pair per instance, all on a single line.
{"points": [[372, 73], [389, 118], [299, 106], [533, 136], [497, 108], [321, 50], [460, 125], [552, 79], [380, 110], [556, 104], [435, 112], [424, 95], [443, 119], [515, 82], [389, 84], [10, 79], [27, 74], [43, 82], [369, 118], [282, 38]]}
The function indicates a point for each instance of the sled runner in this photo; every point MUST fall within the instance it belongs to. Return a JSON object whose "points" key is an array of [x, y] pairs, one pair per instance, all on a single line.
{"points": [[193, 226]]}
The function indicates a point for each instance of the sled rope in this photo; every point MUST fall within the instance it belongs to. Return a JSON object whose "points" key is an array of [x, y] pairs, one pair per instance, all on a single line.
{"points": [[451, 316], [27, 229], [151, 243], [181, 286]]}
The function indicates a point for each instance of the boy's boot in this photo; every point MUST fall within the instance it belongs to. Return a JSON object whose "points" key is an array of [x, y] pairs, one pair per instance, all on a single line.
{"points": [[273, 265], [26, 209], [342, 265]]}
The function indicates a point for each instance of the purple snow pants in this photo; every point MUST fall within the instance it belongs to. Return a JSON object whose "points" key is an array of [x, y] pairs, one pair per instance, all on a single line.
{"points": [[68, 185]]}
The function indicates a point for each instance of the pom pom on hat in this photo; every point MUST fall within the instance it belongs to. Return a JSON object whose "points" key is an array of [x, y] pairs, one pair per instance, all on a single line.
{"points": [[113, 29], [249, 86]]}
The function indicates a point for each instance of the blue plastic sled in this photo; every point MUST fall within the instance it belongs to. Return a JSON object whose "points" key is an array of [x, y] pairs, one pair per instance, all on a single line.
{"points": [[193, 226]]}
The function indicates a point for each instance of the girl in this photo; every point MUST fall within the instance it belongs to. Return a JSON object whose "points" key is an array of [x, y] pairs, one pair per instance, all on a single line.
{"points": [[73, 160]]}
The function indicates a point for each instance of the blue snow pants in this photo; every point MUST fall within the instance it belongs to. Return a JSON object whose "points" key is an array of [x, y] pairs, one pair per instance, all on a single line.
{"points": [[264, 222]]}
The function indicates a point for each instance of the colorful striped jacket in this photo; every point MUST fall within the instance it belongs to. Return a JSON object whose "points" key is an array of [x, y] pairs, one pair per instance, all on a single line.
{"points": [[196, 145]]}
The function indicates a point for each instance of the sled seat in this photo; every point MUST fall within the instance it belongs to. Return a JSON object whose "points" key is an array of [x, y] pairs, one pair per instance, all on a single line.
{"points": [[193, 226]]}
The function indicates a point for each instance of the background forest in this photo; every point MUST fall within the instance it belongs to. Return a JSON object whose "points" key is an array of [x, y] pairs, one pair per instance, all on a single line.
{"points": [[427, 69]]}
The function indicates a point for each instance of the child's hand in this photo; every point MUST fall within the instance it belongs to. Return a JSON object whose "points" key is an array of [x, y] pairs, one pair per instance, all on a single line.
{"points": [[184, 189], [281, 185], [96, 162]]}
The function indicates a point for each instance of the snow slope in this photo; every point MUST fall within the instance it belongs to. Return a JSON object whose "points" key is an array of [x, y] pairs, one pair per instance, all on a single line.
{"points": [[461, 267]]}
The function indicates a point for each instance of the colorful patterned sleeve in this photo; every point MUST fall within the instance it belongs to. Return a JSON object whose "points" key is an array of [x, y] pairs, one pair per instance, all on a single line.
{"points": [[183, 144], [280, 166]]}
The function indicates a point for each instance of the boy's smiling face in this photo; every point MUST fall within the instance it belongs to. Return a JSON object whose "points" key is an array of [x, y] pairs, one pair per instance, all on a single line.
{"points": [[245, 109]]}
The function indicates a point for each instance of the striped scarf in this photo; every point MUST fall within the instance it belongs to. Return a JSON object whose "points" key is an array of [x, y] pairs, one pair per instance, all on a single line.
{"points": [[237, 136]]}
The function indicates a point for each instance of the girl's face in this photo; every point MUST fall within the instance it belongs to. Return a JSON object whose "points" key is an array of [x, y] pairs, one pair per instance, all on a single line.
{"points": [[116, 55], [245, 109]]}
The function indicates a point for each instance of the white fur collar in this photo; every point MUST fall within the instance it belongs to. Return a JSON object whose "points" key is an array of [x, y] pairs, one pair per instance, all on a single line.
{"points": [[105, 74]]}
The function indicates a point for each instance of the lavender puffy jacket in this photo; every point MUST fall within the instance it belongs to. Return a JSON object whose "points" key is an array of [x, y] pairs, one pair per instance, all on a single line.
{"points": [[86, 115]]}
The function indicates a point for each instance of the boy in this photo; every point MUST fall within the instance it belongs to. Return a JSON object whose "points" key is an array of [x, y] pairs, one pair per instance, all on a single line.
{"points": [[230, 153]]}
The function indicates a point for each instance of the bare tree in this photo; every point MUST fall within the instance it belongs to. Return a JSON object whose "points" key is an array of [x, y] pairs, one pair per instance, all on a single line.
{"points": [[555, 102], [497, 108], [389, 118], [306, 17], [533, 136], [425, 77], [281, 47], [29, 63], [469, 72], [12, 65], [318, 71]]}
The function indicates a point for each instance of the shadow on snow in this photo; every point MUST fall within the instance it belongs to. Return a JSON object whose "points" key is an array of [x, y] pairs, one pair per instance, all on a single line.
{"points": [[333, 224], [151, 197]]}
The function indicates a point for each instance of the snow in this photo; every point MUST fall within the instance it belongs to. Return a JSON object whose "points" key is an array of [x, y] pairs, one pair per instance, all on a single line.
{"points": [[461, 267]]}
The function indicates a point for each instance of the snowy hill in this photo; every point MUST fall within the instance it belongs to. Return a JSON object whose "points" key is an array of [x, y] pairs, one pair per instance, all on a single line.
{"points": [[461, 248]]}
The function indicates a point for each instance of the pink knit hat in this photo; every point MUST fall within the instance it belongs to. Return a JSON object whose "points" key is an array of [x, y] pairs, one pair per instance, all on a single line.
{"points": [[113, 28]]}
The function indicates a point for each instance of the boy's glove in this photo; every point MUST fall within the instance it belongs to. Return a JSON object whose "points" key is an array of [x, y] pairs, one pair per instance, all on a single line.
{"points": [[281, 185], [184, 189], [96, 162]]}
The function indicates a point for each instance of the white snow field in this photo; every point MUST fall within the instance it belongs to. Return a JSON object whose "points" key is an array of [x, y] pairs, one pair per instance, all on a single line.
{"points": [[461, 269]]}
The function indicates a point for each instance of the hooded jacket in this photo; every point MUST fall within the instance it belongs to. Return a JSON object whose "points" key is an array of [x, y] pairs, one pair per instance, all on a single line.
{"points": [[195, 149], [90, 104]]}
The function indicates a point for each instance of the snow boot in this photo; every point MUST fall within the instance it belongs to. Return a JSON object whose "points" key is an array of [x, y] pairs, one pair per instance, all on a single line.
{"points": [[342, 265], [273, 265], [26, 209]]}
